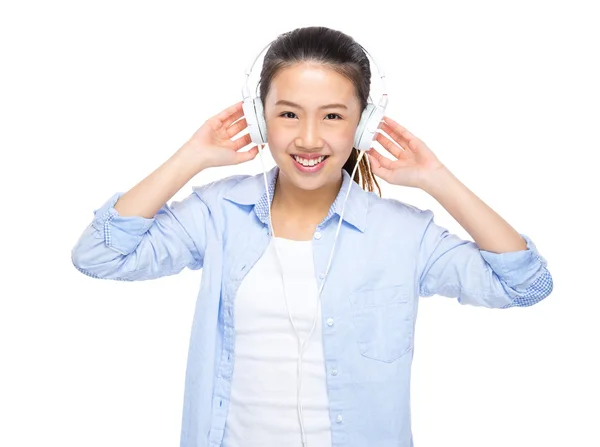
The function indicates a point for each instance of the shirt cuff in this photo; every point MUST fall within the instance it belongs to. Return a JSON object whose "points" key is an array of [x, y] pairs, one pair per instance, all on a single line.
{"points": [[517, 268], [120, 233]]}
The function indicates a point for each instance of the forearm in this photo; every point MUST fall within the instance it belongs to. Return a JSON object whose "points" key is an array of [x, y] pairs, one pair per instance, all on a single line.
{"points": [[488, 229], [150, 194]]}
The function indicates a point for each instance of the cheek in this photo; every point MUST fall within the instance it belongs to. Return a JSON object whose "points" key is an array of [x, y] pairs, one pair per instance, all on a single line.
{"points": [[341, 142], [340, 134], [346, 137], [279, 139]]}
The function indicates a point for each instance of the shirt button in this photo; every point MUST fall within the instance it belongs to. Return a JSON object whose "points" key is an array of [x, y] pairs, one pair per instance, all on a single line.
{"points": [[330, 322], [339, 419], [318, 235], [334, 372], [322, 275]]}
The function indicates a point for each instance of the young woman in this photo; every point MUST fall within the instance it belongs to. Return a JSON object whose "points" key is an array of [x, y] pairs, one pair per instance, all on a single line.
{"points": [[297, 340]]}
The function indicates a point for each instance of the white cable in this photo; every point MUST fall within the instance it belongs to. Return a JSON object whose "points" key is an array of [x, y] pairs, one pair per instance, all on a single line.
{"points": [[302, 346]]}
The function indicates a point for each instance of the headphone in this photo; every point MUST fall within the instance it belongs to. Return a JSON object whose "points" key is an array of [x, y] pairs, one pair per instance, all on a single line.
{"points": [[370, 120]]}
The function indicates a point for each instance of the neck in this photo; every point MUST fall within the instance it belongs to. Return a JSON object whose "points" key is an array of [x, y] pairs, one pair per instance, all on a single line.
{"points": [[310, 205]]}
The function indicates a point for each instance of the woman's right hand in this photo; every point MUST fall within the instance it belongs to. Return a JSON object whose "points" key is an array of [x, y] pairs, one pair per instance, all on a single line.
{"points": [[212, 144]]}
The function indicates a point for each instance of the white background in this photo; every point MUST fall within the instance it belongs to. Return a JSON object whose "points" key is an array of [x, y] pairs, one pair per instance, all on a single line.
{"points": [[96, 95]]}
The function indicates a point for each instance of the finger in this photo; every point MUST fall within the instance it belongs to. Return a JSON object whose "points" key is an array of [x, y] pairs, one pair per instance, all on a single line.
{"points": [[376, 166], [380, 159], [398, 128], [398, 136], [390, 146], [236, 115], [230, 114], [224, 114], [237, 127], [242, 141], [248, 155]]}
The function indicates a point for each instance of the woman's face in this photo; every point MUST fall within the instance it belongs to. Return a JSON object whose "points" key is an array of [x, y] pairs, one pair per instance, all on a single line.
{"points": [[311, 111]]}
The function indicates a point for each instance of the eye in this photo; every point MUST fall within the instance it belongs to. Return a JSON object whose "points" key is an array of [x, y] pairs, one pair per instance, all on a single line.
{"points": [[335, 115], [288, 113]]}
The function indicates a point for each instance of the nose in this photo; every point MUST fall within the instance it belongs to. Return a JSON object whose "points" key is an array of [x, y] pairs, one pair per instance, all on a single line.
{"points": [[309, 136]]}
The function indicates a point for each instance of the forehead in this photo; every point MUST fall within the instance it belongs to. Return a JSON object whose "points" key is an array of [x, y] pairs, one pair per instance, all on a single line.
{"points": [[308, 82]]}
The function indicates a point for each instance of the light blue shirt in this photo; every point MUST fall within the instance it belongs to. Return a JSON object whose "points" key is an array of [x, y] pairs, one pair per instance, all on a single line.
{"points": [[388, 254]]}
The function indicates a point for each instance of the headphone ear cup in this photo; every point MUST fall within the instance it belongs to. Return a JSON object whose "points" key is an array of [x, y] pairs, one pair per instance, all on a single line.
{"points": [[370, 122], [362, 124], [262, 124], [255, 118]]}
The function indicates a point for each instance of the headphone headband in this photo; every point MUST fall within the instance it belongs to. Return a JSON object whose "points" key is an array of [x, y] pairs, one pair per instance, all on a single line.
{"points": [[248, 72]]}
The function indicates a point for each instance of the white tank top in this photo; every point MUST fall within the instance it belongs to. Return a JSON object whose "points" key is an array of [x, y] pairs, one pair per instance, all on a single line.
{"points": [[263, 409]]}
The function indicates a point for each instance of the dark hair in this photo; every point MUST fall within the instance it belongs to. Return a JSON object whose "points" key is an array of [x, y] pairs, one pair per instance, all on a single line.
{"points": [[341, 53]]}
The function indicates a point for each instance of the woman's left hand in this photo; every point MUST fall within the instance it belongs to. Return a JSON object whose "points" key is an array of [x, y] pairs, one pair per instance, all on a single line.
{"points": [[415, 163]]}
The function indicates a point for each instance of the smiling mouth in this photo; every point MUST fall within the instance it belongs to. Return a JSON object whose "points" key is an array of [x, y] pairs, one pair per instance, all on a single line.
{"points": [[309, 163]]}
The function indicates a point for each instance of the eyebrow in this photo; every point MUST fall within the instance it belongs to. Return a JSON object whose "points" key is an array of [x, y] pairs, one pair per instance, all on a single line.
{"points": [[283, 102]]}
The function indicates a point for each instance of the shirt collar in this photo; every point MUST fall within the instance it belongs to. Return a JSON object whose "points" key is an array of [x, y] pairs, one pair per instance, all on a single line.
{"points": [[251, 191]]}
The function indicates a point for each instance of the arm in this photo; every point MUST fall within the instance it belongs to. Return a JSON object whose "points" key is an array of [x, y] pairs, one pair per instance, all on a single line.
{"points": [[138, 236], [149, 195], [452, 267], [489, 231], [502, 268]]}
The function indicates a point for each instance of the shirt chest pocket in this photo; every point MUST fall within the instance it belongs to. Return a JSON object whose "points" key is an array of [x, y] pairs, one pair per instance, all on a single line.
{"points": [[384, 322]]}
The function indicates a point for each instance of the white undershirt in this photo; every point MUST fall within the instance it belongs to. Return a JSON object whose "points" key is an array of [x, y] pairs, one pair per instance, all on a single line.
{"points": [[263, 409]]}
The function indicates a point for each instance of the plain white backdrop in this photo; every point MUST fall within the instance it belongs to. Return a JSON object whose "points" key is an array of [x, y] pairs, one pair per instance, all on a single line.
{"points": [[95, 96]]}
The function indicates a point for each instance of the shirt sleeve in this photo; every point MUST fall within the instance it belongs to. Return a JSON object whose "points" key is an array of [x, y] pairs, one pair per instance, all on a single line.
{"points": [[452, 267], [132, 248]]}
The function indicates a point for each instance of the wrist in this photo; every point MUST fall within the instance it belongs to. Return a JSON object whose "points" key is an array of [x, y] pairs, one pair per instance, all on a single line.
{"points": [[187, 161], [437, 180]]}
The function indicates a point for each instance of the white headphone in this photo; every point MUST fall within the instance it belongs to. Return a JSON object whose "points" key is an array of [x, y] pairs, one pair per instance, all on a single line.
{"points": [[370, 120], [366, 130]]}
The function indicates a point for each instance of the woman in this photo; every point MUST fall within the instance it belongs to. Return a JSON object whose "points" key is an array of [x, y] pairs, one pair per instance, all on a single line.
{"points": [[288, 348]]}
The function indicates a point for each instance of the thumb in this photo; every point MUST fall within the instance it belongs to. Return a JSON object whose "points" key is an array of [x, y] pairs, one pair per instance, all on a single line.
{"points": [[248, 155], [376, 167], [372, 160], [374, 163]]}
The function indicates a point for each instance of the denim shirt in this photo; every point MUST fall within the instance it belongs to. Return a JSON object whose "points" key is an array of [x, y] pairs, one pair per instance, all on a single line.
{"points": [[388, 255]]}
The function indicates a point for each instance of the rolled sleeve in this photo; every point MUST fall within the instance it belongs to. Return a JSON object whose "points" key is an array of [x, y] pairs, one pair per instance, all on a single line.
{"points": [[523, 274], [133, 248], [452, 267], [121, 234]]}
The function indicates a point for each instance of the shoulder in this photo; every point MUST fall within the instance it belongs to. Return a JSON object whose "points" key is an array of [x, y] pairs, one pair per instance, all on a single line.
{"points": [[215, 189], [383, 207], [397, 219]]}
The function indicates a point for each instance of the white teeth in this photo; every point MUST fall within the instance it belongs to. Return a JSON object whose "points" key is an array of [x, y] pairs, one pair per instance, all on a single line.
{"points": [[308, 163]]}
